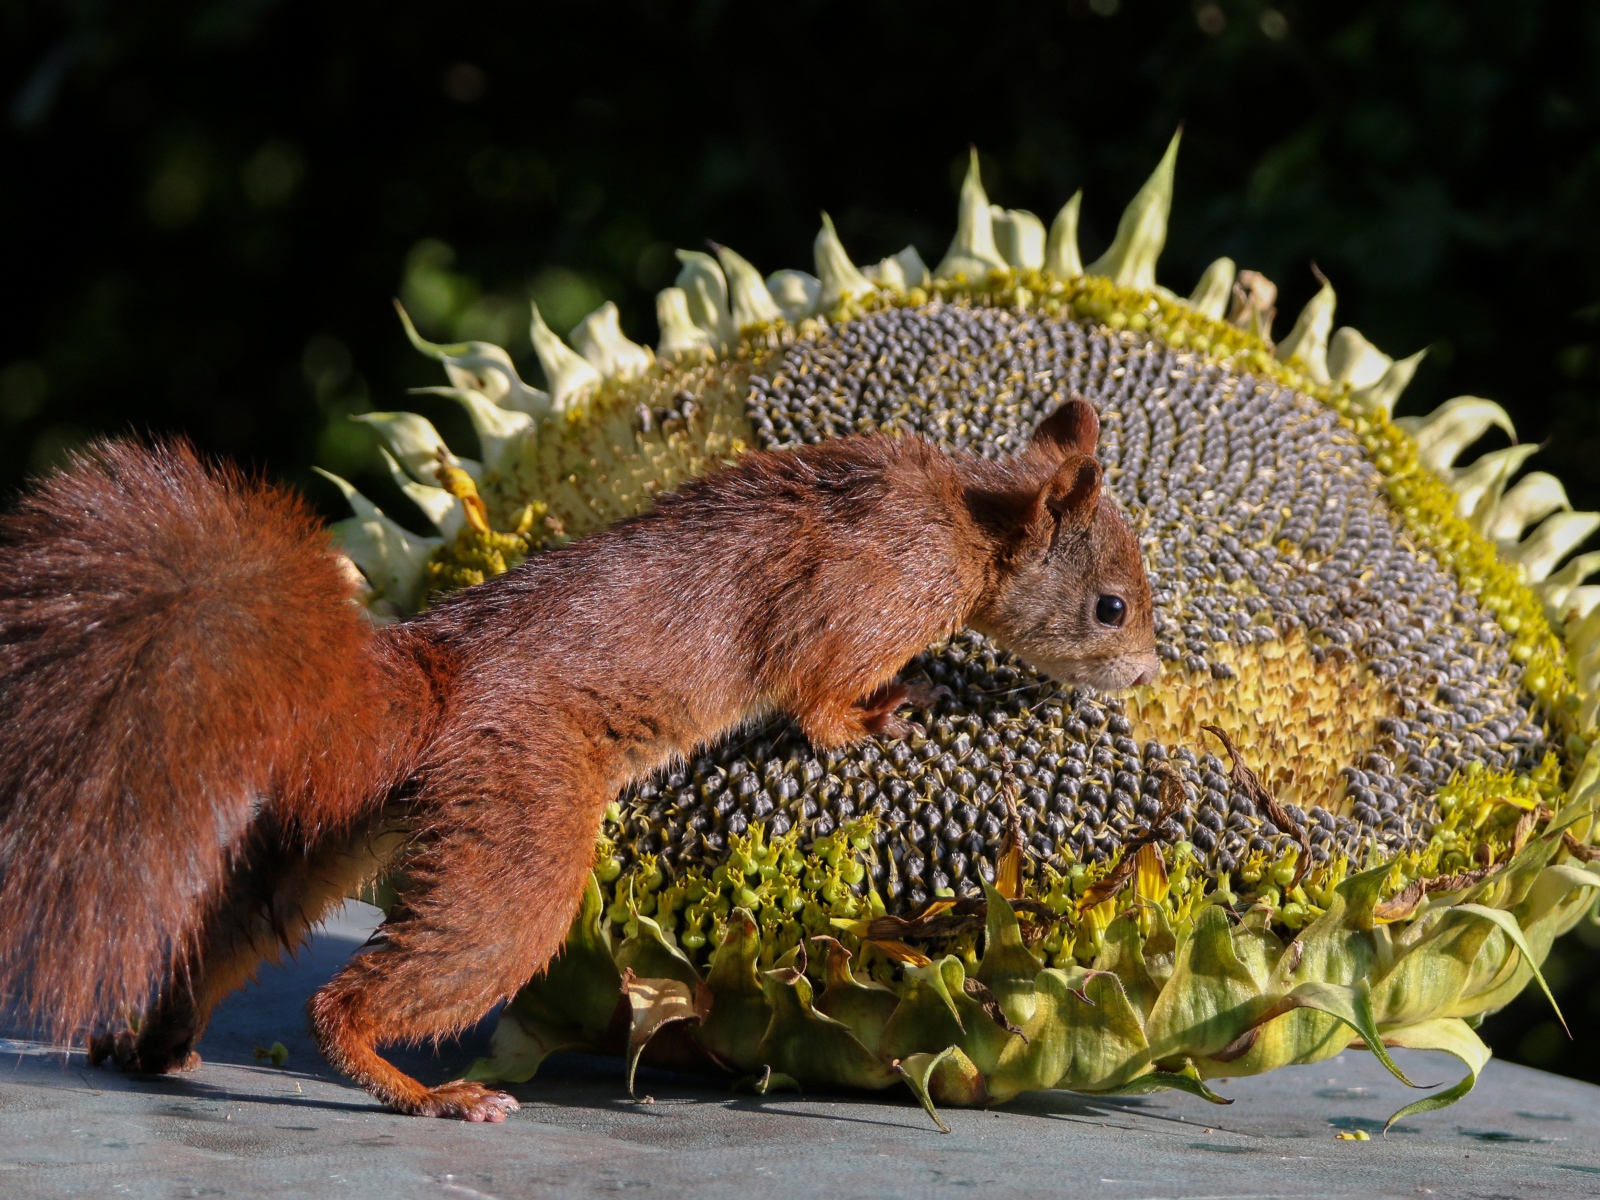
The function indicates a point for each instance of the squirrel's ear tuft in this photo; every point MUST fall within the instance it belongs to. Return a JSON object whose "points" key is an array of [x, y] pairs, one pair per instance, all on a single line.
{"points": [[1074, 428], [1073, 492]]}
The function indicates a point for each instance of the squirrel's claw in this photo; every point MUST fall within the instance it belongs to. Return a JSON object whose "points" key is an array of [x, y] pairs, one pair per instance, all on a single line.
{"points": [[467, 1102], [922, 695], [878, 709]]}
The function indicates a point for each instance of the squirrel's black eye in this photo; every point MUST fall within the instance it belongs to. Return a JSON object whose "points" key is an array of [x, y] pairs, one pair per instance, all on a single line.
{"points": [[1110, 610]]}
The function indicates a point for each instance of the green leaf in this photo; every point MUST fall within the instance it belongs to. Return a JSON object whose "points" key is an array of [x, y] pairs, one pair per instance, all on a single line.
{"points": [[1256, 947], [583, 983], [765, 1082], [1084, 1036], [1555, 902], [1359, 895], [1008, 967], [1186, 1080], [1453, 1037], [865, 1007], [1507, 924], [1211, 997], [1353, 1006], [740, 1012], [1122, 954], [956, 1080], [520, 1044], [917, 1071], [1577, 876], [653, 1005], [986, 1038], [1509, 886], [649, 955], [1432, 973], [812, 1047], [927, 1019]]}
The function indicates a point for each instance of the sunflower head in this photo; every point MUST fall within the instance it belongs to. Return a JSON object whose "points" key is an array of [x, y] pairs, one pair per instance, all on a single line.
{"points": [[1355, 805]]}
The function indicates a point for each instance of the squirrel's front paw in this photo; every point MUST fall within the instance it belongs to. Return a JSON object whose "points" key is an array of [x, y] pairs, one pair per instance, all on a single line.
{"points": [[924, 695], [124, 1051], [878, 709], [467, 1102]]}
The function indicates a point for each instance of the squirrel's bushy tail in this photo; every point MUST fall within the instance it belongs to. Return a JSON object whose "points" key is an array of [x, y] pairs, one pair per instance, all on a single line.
{"points": [[178, 652]]}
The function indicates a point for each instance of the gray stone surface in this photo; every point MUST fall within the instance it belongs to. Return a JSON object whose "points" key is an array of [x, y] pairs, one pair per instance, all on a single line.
{"points": [[240, 1128]]}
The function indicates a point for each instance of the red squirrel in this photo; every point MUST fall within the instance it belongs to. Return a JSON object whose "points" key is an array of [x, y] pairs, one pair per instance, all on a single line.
{"points": [[205, 745]]}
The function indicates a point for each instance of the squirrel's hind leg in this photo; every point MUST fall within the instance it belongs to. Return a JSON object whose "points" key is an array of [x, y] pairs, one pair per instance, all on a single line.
{"points": [[489, 902], [275, 894]]}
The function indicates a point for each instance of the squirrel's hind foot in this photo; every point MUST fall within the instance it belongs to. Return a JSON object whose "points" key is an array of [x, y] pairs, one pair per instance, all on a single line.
{"points": [[465, 1101], [124, 1051]]}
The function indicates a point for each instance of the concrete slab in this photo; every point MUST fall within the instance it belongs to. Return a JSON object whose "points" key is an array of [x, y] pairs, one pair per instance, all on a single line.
{"points": [[240, 1128]]}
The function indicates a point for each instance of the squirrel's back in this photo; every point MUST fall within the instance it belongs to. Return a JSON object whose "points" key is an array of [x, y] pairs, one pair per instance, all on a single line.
{"points": [[178, 653]]}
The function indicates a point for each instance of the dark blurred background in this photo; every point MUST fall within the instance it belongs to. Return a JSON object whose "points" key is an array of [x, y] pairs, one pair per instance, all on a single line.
{"points": [[205, 205]]}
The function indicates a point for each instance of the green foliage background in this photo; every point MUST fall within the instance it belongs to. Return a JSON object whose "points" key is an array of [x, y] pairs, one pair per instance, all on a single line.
{"points": [[205, 205]]}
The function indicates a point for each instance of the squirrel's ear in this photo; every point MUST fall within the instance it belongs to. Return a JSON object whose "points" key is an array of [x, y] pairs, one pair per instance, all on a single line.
{"points": [[1074, 428], [1073, 492]]}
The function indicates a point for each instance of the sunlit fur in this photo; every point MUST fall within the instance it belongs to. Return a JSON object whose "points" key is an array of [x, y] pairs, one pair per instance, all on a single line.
{"points": [[178, 654]]}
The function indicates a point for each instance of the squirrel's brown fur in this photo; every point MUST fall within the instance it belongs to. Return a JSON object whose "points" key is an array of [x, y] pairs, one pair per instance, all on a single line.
{"points": [[202, 741]]}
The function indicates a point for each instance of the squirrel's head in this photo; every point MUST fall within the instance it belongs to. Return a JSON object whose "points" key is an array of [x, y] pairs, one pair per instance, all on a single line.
{"points": [[1070, 596]]}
